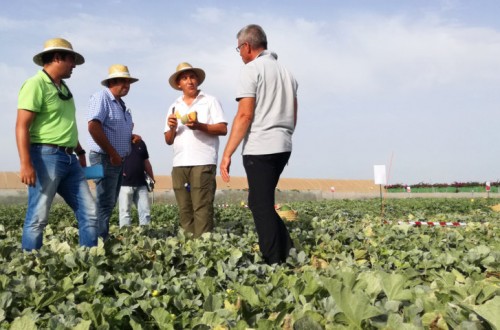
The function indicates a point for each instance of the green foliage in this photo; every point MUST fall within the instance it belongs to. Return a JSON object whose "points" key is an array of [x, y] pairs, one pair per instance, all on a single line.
{"points": [[353, 267]]}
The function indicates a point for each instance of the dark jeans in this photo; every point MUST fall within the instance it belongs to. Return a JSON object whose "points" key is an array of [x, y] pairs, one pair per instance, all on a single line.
{"points": [[263, 173]]}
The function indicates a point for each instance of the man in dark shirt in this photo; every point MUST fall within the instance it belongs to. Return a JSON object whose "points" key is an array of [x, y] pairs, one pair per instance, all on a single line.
{"points": [[134, 188]]}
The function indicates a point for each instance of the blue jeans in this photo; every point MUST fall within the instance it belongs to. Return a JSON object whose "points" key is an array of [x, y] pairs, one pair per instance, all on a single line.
{"points": [[107, 190], [138, 196], [58, 172]]}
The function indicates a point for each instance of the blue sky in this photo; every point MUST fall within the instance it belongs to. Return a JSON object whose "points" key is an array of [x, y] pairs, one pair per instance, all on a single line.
{"points": [[413, 85]]}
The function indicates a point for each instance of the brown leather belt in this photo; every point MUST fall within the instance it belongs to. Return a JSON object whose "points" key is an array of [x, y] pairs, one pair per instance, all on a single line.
{"points": [[68, 150]]}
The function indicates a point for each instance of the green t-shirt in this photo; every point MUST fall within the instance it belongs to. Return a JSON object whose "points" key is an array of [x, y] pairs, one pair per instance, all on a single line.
{"points": [[55, 120]]}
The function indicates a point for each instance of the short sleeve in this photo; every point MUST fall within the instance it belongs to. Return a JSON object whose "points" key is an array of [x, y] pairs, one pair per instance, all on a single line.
{"points": [[247, 84], [96, 109], [31, 96], [216, 112]]}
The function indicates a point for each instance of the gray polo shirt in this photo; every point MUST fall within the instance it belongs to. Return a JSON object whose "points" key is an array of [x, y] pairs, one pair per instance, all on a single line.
{"points": [[274, 90]]}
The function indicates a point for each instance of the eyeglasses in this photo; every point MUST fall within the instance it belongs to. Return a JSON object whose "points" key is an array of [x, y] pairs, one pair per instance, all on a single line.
{"points": [[238, 48], [59, 91]]}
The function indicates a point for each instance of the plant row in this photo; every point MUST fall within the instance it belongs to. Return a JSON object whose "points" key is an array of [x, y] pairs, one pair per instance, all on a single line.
{"points": [[353, 267]]}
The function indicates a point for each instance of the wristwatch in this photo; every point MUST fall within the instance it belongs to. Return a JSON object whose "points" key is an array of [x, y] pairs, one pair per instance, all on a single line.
{"points": [[80, 152]]}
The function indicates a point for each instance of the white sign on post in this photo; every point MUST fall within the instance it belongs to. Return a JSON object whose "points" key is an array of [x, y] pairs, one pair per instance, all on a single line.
{"points": [[379, 174]]}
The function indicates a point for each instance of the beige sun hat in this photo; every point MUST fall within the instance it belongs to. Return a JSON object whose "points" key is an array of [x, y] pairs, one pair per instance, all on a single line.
{"points": [[118, 71], [57, 44], [184, 66]]}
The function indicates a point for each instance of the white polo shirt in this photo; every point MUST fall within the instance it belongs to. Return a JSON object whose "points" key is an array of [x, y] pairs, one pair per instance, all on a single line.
{"points": [[194, 147]]}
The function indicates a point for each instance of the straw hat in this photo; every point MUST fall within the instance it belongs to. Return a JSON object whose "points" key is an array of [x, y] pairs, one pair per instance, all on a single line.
{"points": [[184, 66], [118, 71], [57, 44]]}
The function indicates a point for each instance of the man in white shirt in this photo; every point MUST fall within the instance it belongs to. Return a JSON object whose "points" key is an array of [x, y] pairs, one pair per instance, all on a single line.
{"points": [[194, 122]]}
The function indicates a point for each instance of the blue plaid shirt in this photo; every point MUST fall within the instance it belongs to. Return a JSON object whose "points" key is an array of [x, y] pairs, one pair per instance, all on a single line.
{"points": [[116, 122]]}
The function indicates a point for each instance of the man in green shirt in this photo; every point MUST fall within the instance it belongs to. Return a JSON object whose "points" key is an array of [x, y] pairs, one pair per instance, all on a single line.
{"points": [[50, 154]]}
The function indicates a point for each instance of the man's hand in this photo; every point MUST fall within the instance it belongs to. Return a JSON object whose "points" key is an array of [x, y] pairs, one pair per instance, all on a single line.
{"points": [[172, 122], [83, 160], [28, 175], [115, 158], [136, 138], [225, 164], [194, 125]]}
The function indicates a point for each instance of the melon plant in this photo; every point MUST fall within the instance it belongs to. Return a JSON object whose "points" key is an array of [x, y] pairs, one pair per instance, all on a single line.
{"points": [[352, 267]]}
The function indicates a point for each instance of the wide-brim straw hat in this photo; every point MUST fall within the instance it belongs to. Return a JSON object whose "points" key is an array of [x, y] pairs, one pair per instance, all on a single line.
{"points": [[58, 44], [184, 66], [118, 71]]}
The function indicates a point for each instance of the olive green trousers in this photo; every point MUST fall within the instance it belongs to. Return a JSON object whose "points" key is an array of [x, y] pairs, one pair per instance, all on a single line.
{"points": [[194, 188]]}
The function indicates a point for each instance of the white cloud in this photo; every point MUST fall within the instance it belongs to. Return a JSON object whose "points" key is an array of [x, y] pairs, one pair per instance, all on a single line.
{"points": [[211, 15], [372, 54], [7, 24]]}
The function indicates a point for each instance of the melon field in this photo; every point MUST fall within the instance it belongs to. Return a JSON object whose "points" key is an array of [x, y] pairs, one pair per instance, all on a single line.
{"points": [[356, 265]]}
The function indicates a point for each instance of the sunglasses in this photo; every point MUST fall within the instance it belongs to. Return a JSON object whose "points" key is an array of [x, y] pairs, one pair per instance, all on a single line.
{"points": [[59, 91]]}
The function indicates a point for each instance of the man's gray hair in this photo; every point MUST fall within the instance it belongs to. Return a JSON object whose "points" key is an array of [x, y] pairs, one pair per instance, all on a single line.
{"points": [[254, 35]]}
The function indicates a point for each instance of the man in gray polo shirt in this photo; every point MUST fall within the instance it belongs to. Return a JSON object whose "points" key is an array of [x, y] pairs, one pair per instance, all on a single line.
{"points": [[265, 122]]}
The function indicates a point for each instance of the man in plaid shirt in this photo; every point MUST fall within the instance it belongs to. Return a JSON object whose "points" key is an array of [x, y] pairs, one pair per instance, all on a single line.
{"points": [[110, 126]]}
